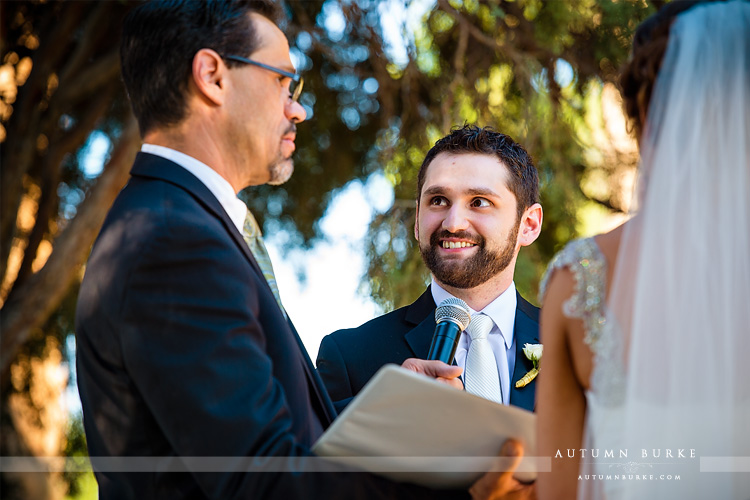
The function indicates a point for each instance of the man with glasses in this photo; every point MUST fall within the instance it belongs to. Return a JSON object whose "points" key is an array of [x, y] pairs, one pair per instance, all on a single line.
{"points": [[186, 359], [295, 86]]}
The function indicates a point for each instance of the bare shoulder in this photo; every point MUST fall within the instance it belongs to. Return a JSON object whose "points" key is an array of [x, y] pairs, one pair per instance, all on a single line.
{"points": [[609, 243], [564, 334]]}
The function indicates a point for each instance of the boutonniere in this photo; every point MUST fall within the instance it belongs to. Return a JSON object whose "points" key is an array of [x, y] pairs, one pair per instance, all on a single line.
{"points": [[533, 353]]}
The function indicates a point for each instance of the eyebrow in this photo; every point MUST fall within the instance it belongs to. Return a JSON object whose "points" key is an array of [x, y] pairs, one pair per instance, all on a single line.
{"points": [[285, 67], [433, 190]]}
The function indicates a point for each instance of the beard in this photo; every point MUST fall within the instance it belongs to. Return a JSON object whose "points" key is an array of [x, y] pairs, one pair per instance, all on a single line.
{"points": [[280, 171], [475, 270]]}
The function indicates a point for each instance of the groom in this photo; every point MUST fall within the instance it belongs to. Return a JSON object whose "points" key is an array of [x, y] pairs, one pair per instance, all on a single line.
{"points": [[477, 205]]}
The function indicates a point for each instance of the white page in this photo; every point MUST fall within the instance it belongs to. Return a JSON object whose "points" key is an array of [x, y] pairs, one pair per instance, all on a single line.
{"points": [[409, 427]]}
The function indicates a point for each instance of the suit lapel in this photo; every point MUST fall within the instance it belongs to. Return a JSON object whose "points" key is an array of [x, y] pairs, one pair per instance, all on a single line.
{"points": [[526, 331], [156, 167], [325, 408], [420, 337], [420, 314]]}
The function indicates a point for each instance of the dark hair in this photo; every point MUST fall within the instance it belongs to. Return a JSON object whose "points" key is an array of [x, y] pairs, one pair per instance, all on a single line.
{"points": [[523, 180], [160, 39], [639, 75]]}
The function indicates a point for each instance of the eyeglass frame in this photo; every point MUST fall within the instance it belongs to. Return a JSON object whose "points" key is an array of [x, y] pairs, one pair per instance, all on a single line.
{"points": [[296, 77]]}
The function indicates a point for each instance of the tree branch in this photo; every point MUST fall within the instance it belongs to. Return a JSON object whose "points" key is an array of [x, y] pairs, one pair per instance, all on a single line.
{"points": [[50, 174], [24, 125], [500, 48], [102, 72], [459, 68], [96, 23], [607, 203], [42, 293]]}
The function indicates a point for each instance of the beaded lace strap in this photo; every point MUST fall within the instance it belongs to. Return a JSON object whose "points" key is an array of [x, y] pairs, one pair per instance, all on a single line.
{"points": [[589, 269]]}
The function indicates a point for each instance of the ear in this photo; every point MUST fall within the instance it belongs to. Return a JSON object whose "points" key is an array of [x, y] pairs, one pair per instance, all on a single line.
{"points": [[531, 225], [416, 223], [210, 76]]}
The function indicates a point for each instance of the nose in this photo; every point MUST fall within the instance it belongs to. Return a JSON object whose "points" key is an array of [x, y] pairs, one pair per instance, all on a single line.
{"points": [[455, 220], [294, 112]]}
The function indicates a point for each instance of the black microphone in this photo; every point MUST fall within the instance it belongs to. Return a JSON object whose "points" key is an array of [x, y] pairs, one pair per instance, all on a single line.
{"points": [[452, 318]]}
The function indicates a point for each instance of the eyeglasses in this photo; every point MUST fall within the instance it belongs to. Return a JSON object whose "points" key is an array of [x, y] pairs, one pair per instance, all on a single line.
{"points": [[295, 87]]}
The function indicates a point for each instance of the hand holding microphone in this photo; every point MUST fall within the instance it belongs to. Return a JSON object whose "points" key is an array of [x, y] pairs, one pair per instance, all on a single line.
{"points": [[451, 318]]}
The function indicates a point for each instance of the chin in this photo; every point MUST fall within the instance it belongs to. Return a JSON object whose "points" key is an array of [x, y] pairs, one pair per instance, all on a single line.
{"points": [[281, 172]]}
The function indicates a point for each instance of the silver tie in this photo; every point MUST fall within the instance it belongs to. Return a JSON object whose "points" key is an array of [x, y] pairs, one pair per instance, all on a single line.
{"points": [[480, 376], [254, 239]]}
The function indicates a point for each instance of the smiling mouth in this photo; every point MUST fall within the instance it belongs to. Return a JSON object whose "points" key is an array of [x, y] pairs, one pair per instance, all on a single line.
{"points": [[457, 244]]}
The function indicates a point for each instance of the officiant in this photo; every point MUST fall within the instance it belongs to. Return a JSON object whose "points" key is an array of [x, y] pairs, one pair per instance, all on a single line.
{"points": [[187, 362]]}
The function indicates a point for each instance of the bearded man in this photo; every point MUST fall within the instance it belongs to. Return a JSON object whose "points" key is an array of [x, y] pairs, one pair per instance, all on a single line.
{"points": [[477, 205]]}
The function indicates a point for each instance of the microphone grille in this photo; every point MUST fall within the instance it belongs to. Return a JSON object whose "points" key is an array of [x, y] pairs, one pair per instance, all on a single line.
{"points": [[455, 310]]}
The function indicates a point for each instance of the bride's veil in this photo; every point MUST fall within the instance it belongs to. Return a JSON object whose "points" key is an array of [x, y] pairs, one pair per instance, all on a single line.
{"points": [[681, 290]]}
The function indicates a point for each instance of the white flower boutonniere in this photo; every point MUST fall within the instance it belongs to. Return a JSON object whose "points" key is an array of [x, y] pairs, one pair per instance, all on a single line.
{"points": [[533, 352]]}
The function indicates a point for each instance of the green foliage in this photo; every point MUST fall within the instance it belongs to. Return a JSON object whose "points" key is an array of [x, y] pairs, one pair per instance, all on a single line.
{"points": [[79, 486], [510, 72], [86, 487], [492, 62]]}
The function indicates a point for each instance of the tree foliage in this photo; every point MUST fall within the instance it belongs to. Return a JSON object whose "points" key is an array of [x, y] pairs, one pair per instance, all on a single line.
{"points": [[533, 69], [523, 67]]}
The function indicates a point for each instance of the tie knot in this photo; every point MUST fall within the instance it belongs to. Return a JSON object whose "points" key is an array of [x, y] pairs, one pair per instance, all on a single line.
{"points": [[251, 227], [480, 326]]}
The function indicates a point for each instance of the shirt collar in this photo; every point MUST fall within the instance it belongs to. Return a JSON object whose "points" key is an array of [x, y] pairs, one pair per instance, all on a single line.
{"points": [[502, 310], [218, 185]]}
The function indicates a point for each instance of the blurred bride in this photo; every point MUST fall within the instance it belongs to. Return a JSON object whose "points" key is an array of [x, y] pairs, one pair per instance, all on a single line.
{"points": [[646, 329]]}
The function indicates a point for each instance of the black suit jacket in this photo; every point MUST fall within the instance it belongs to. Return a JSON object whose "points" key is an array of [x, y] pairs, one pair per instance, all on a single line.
{"points": [[184, 352], [347, 359]]}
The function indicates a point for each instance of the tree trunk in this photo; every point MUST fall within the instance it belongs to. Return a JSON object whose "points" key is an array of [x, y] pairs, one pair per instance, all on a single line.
{"points": [[40, 295]]}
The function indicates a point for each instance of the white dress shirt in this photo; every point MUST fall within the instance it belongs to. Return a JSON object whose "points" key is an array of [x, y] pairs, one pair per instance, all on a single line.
{"points": [[218, 185], [502, 310]]}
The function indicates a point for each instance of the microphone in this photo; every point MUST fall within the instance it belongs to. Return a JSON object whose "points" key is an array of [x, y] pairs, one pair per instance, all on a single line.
{"points": [[452, 318]]}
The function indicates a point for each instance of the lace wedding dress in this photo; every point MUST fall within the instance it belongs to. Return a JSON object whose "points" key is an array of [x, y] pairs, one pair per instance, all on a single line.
{"points": [[605, 396], [671, 341]]}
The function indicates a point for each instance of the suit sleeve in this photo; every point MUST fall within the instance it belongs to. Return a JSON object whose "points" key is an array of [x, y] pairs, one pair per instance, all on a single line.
{"points": [[332, 369], [196, 350]]}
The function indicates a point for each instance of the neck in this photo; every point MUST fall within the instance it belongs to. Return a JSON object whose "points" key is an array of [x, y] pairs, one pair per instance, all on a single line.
{"points": [[199, 143], [480, 296]]}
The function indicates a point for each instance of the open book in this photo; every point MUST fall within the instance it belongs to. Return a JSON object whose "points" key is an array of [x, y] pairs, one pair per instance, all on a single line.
{"points": [[408, 427]]}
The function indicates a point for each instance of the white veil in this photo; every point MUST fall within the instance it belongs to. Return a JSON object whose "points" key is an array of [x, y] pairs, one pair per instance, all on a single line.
{"points": [[681, 290]]}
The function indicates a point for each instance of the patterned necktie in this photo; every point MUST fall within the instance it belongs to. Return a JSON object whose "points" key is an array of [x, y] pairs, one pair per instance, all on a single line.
{"points": [[480, 376], [254, 239]]}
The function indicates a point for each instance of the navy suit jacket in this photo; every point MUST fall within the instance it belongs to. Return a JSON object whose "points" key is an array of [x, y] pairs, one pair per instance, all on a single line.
{"points": [[347, 359], [184, 352]]}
